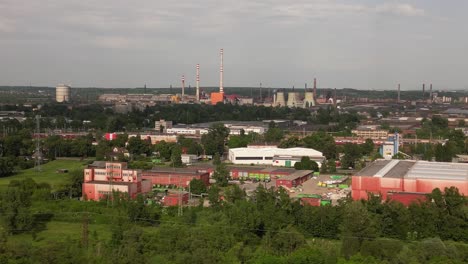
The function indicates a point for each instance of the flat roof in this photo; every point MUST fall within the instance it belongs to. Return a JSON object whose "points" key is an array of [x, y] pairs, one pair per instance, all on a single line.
{"points": [[174, 171]]}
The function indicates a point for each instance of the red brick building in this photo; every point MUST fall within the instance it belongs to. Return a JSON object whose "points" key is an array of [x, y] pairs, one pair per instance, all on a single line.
{"points": [[103, 178], [177, 177], [294, 179]]}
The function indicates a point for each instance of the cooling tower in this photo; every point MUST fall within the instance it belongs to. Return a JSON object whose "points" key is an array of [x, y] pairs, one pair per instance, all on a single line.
{"points": [[279, 99], [309, 100], [293, 100], [62, 93]]}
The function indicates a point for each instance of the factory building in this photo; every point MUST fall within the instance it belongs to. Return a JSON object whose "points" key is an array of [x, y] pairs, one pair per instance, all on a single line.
{"points": [[390, 147], [372, 132], [408, 180], [62, 93], [101, 179], [176, 177], [274, 156]]}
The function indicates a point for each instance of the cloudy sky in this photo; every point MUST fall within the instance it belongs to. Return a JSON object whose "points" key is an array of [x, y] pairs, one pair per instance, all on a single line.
{"points": [[365, 44]]}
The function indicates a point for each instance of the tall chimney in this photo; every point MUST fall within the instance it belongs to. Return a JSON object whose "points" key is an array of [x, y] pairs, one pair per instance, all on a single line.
{"points": [[398, 100], [315, 88], [430, 92], [221, 88], [198, 83], [424, 90], [183, 86]]}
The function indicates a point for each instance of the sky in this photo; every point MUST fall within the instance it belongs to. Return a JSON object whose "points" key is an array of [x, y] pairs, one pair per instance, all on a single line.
{"points": [[362, 44]]}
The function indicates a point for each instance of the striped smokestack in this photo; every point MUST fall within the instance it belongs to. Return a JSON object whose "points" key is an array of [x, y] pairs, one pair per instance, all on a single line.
{"points": [[183, 86], [221, 88], [198, 83]]}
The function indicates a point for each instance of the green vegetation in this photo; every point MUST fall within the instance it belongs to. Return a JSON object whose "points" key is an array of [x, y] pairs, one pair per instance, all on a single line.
{"points": [[48, 173], [268, 227]]}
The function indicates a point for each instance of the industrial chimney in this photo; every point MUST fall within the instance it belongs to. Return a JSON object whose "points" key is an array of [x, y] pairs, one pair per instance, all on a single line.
{"points": [[183, 86], [198, 83], [221, 88]]}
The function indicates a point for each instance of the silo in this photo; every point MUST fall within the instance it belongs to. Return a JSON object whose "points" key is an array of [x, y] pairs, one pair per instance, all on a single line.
{"points": [[62, 93]]}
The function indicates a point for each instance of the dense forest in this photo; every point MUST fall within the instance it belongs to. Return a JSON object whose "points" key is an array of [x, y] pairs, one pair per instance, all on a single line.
{"points": [[267, 227], [59, 116]]}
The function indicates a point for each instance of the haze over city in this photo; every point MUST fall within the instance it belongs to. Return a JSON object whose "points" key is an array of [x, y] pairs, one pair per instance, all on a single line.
{"points": [[357, 44]]}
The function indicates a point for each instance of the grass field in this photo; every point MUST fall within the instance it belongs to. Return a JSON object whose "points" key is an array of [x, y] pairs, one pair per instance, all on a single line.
{"points": [[48, 173]]}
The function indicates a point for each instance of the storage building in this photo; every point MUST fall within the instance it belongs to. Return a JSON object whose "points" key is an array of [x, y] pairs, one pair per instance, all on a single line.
{"points": [[179, 177], [274, 156], [406, 178], [295, 179]]}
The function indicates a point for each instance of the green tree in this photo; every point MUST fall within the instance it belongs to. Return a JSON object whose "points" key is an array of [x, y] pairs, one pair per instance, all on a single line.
{"points": [[176, 157], [221, 174], [234, 193], [323, 142], [331, 165], [273, 134], [352, 154], [357, 226], [213, 142], [213, 195], [368, 147], [197, 186], [306, 164], [136, 146]]}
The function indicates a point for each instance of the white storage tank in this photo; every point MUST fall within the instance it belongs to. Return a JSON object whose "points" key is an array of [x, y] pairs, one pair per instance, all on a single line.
{"points": [[62, 93]]}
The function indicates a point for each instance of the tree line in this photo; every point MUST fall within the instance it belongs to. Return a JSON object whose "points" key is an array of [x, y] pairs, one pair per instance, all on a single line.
{"points": [[266, 227]]}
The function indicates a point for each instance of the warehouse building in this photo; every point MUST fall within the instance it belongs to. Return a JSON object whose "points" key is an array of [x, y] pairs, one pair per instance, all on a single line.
{"points": [[408, 180], [295, 179], [101, 179], [274, 156], [179, 177]]}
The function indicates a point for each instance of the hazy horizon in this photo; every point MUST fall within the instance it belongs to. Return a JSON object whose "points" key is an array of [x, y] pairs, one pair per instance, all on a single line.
{"points": [[362, 44]]}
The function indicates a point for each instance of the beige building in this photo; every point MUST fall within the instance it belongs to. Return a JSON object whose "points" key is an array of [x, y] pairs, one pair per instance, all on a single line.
{"points": [[370, 132]]}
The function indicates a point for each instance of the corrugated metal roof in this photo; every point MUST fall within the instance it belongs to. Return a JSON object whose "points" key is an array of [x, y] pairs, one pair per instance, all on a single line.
{"points": [[439, 170], [416, 170], [296, 175], [372, 168]]}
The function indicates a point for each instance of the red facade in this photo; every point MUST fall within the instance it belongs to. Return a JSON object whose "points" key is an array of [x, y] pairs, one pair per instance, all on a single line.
{"points": [[361, 185], [175, 178], [407, 198], [291, 181], [172, 199]]}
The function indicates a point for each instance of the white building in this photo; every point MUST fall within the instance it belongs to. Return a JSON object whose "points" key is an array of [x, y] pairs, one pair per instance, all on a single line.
{"points": [[189, 158], [285, 157]]}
